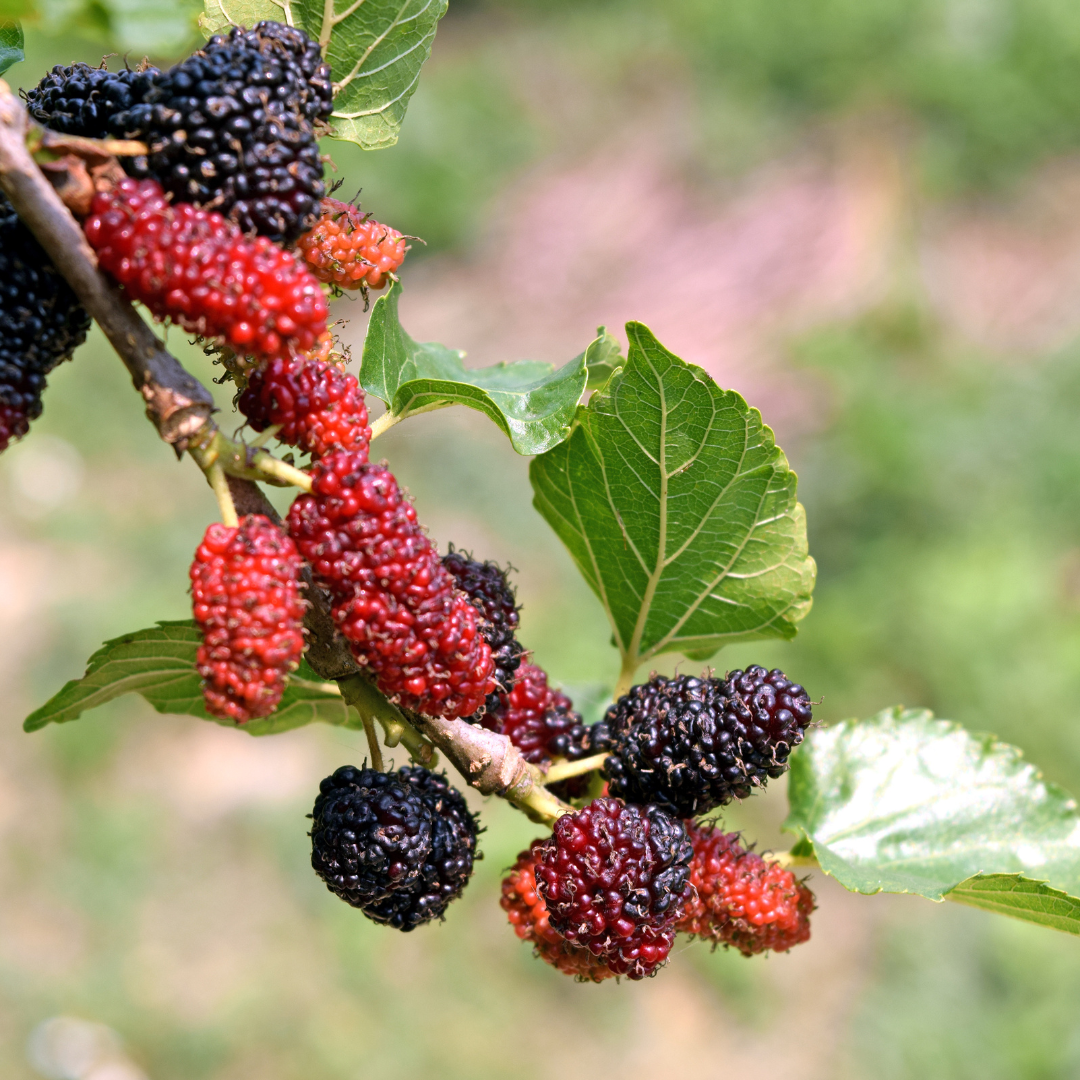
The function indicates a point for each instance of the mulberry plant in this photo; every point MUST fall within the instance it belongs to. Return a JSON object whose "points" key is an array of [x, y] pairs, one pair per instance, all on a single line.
{"points": [[198, 192]]}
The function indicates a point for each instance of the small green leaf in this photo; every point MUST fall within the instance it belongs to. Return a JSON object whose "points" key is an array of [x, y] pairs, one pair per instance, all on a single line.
{"points": [[375, 49], [909, 804], [159, 664], [679, 509], [11, 45], [602, 357], [532, 402]]}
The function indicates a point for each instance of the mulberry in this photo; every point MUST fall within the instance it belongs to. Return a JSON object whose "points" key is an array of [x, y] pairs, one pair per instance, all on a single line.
{"points": [[693, 744], [392, 598], [449, 864], [613, 878], [528, 915], [740, 899], [232, 128], [41, 324], [489, 591], [371, 834], [82, 100], [246, 587], [318, 406], [350, 249], [195, 268]]}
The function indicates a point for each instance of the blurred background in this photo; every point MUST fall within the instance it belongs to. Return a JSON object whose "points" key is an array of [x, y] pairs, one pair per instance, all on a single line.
{"points": [[861, 214]]}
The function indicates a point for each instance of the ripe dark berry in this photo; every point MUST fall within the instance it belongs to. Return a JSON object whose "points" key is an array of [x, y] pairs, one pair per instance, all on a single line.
{"points": [[82, 100], [613, 878], [41, 324], [232, 128], [693, 744], [488, 589], [528, 915], [350, 249], [392, 598], [371, 834], [318, 406], [245, 583], [449, 864], [740, 899], [197, 269]]}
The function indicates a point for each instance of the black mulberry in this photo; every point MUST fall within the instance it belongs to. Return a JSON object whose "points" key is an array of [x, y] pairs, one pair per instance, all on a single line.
{"points": [[82, 100]]}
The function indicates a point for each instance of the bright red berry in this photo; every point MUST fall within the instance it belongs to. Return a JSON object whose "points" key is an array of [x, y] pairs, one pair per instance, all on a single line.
{"points": [[351, 249], [740, 899], [393, 600], [528, 915], [319, 407], [245, 583], [613, 877], [199, 270]]}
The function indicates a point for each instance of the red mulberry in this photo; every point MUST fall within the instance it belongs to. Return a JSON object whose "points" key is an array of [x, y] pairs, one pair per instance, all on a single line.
{"points": [[528, 915], [392, 598], [350, 249], [319, 407], [197, 269], [740, 899], [613, 878], [246, 587]]}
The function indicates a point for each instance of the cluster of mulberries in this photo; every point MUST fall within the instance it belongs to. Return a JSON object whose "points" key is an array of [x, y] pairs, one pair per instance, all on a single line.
{"points": [[399, 846], [197, 269], [41, 324], [393, 600], [82, 100], [245, 583], [350, 249]]}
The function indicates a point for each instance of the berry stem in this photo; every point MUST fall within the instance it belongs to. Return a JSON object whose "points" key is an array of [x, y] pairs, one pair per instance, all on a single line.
{"points": [[371, 705], [373, 743], [270, 466], [564, 770], [215, 476], [264, 437]]}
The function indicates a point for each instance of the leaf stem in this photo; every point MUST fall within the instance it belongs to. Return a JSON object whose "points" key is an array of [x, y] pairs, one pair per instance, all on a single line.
{"points": [[626, 678], [331, 689], [787, 859], [215, 476], [384, 423], [564, 770]]}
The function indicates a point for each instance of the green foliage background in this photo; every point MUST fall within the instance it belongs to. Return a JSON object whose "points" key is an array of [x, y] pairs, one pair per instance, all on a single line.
{"points": [[943, 510]]}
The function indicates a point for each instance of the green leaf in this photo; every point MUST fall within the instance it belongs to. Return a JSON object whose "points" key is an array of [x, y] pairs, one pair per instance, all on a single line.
{"points": [[159, 664], [532, 402], [907, 803], [602, 357], [375, 49], [679, 509], [11, 45]]}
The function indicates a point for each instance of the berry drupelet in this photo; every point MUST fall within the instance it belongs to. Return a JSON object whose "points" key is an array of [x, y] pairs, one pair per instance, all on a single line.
{"points": [[489, 591], [693, 744], [528, 915], [737, 898], [197, 269], [41, 324], [232, 128], [350, 249], [318, 406], [448, 866], [245, 582], [82, 100], [613, 878], [392, 598]]}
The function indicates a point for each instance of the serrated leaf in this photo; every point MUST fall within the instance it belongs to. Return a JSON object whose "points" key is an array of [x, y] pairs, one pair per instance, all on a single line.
{"points": [[907, 803], [532, 402], [159, 664], [11, 45], [1021, 898], [679, 509], [375, 49]]}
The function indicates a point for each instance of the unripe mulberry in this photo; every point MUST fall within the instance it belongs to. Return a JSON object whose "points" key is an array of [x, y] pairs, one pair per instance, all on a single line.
{"points": [[232, 127], [528, 915], [613, 878], [82, 100], [197, 269], [392, 598], [738, 898], [319, 407], [245, 582], [371, 834], [693, 744], [350, 249], [448, 865], [41, 324], [488, 589]]}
